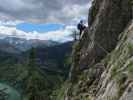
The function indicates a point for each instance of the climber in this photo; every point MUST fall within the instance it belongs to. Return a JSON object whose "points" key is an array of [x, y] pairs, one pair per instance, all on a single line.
{"points": [[81, 27]]}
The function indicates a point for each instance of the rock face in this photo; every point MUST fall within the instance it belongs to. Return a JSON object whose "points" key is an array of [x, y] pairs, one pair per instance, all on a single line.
{"points": [[108, 20], [102, 66], [116, 82]]}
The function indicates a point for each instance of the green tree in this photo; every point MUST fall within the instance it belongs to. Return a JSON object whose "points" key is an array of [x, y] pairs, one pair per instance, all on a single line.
{"points": [[32, 65], [35, 83]]}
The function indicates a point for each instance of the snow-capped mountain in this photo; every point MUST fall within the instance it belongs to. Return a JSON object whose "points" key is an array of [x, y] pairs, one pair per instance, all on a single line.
{"points": [[15, 45]]}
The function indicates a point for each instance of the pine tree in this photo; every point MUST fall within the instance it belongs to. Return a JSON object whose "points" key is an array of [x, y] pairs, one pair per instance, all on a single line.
{"points": [[35, 82], [32, 65]]}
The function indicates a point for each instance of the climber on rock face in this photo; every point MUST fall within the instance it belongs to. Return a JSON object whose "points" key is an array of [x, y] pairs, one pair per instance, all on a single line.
{"points": [[81, 27]]}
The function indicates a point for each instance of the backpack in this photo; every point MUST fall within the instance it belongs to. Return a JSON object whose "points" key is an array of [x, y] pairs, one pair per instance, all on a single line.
{"points": [[79, 26]]}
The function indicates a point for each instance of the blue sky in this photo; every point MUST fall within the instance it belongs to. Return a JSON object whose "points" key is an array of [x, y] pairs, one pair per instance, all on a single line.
{"points": [[41, 28]]}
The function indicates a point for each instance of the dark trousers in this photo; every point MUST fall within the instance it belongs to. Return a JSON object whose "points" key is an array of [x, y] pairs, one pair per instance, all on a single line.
{"points": [[80, 32]]}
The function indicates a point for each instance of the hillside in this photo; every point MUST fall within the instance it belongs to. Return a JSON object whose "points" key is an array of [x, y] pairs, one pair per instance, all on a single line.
{"points": [[102, 66], [53, 58], [43, 69]]}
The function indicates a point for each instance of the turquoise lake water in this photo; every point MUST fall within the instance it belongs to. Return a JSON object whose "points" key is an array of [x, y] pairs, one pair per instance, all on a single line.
{"points": [[13, 94]]}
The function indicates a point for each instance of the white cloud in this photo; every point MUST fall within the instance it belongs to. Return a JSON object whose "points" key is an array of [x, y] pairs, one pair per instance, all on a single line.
{"points": [[59, 35], [42, 11], [10, 23], [62, 35]]}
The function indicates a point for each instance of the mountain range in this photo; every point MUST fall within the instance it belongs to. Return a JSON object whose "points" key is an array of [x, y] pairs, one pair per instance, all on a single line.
{"points": [[50, 55], [16, 45]]}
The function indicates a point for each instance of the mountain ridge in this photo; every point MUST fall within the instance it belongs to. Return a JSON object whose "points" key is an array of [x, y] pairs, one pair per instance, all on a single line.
{"points": [[18, 45]]}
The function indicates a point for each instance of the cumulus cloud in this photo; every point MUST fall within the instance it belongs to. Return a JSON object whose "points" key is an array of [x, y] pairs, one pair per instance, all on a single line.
{"points": [[43, 10], [61, 35]]}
